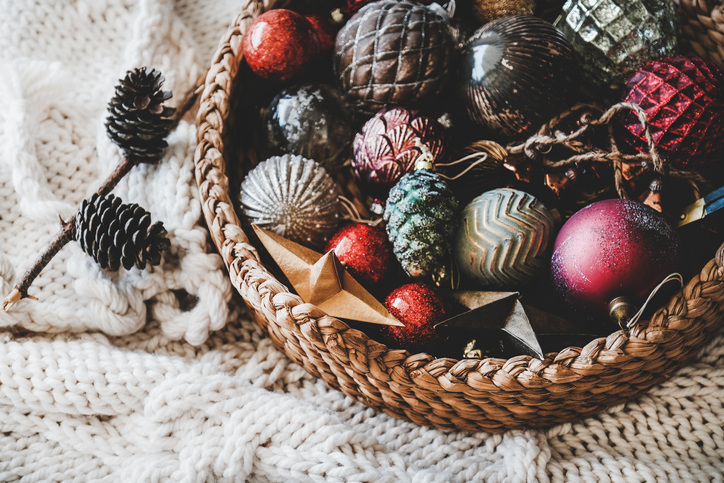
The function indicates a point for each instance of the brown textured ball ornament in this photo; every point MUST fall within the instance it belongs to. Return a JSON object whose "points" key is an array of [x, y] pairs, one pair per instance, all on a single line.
{"points": [[486, 11], [393, 53], [517, 72]]}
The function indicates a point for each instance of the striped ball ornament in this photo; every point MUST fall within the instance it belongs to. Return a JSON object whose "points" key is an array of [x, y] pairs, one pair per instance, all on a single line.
{"points": [[503, 239]]}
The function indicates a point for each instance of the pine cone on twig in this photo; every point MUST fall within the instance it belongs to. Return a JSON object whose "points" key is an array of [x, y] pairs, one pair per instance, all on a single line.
{"points": [[117, 234], [138, 122]]}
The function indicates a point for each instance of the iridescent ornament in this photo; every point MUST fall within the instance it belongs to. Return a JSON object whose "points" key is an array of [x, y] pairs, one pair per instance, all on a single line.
{"points": [[364, 250], [280, 44], [393, 53], [683, 98], [517, 72], [485, 11], [613, 38], [503, 239], [311, 120], [610, 249], [420, 213], [390, 145], [293, 197], [419, 307]]}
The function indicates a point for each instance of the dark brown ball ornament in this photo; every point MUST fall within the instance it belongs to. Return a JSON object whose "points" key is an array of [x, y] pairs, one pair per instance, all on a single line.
{"points": [[517, 72], [393, 53]]}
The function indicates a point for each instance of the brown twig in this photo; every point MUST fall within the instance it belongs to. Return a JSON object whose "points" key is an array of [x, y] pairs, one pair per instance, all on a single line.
{"points": [[67, 230]]}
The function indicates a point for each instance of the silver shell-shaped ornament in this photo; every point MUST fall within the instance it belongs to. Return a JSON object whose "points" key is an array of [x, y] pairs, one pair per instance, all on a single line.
{"points": [[293, 197]]}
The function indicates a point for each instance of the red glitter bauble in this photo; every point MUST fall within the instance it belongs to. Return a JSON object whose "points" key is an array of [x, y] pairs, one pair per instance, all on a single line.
{"points": [[419, 307], [280, 44], [684, 102], [612, 248], [325, 30], [364, 250], [390, 144]]}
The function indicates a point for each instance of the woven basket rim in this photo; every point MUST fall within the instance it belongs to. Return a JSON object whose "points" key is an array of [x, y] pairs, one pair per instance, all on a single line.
{"points": [[489, 394]]}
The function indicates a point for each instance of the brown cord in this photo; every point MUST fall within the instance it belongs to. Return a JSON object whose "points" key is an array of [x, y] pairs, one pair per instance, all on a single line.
{"points": [[488, 394]]}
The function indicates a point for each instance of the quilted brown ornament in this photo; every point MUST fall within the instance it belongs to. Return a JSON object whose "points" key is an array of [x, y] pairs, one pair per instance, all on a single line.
{"points": [[393, 53]]}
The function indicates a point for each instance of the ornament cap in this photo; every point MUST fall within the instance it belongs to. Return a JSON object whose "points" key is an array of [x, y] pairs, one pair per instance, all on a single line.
{"points": [[621, 310]]}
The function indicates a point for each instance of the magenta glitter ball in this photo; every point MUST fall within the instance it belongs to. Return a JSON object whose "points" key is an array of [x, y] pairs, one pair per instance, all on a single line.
{"points": [[419, 307], [280, 44], [612, 248], [364, 250], [389, 146]]}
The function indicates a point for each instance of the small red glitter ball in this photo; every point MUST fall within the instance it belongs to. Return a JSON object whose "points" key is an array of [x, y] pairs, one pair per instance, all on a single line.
{"points": [[280, 44], [364, 250], [419, 307], [684, 102], [325, 30]]}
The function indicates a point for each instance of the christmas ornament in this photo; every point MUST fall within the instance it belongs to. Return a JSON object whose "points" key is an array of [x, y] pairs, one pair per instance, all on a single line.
{"points": [[517, 72], [390, 144], [117, 234], [363, 250], [419, 307], [138, 122], [294, 197], [610, 249], [419, 214], [683, 98], [280, 44], [503, 238], [352, 6], [490, 316], [393, 53], [613, 38], [325, 30], [321, 280], [485, 11], [310, 120]]}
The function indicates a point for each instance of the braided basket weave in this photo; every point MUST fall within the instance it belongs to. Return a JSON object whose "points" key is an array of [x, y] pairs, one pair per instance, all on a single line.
{"points": [[489, 394]]}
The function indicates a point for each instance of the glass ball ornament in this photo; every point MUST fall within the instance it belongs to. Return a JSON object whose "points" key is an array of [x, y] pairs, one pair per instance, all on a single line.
{"points": [[312, 121], [516, 73], [613, 38]]}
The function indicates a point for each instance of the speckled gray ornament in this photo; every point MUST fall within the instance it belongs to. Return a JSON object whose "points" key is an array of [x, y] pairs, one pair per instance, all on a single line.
{"points": [[294, 197], [614, 38], [311, 120], [420, 214], [503, 238]]}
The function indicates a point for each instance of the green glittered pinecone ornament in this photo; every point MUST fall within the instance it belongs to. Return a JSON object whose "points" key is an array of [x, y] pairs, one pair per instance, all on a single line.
{"points": [[117, 234], [138, 122], [420, 214]]}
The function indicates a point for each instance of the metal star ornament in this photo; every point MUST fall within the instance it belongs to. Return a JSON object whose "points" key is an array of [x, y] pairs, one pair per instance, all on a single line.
{"points": [[322, 280]]}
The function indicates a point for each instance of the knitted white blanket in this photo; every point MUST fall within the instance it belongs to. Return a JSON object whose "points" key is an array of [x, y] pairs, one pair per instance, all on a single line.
{"points": [[107, 377]]}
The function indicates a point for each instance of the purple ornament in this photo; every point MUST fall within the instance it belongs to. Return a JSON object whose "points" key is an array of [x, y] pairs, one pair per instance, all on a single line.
{"points": [[391, 144]]}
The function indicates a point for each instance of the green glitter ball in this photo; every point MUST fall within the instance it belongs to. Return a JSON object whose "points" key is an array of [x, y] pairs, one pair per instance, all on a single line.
{"points": [[614, 38], [420, 214]]}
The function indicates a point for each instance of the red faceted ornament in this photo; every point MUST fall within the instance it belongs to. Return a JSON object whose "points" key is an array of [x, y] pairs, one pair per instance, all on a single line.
{"points": [[419, 307], [280, 44], [684, 102], [612, 248], [391, 144], [364, 250]]}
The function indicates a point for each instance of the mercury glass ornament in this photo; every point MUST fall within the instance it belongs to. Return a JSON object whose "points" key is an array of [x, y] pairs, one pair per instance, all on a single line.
{"points": [[613, 38], [393, 53], [517, 72], [310, 120], [294, 197], [504, 238]]}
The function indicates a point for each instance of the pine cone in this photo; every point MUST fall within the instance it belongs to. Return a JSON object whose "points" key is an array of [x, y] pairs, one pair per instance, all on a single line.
{"points": [[116, 234], [138, 122], [420, 214]]}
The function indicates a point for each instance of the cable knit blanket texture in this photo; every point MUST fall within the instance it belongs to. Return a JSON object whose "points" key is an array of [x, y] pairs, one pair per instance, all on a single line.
{"points": [[110, 377]]}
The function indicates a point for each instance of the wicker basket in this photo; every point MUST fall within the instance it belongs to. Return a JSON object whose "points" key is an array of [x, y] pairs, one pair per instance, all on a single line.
{"points": [[490, 394]]}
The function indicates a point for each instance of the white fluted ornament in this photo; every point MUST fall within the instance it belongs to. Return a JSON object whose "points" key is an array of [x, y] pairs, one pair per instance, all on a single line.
{"points": [[294, 197]]}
